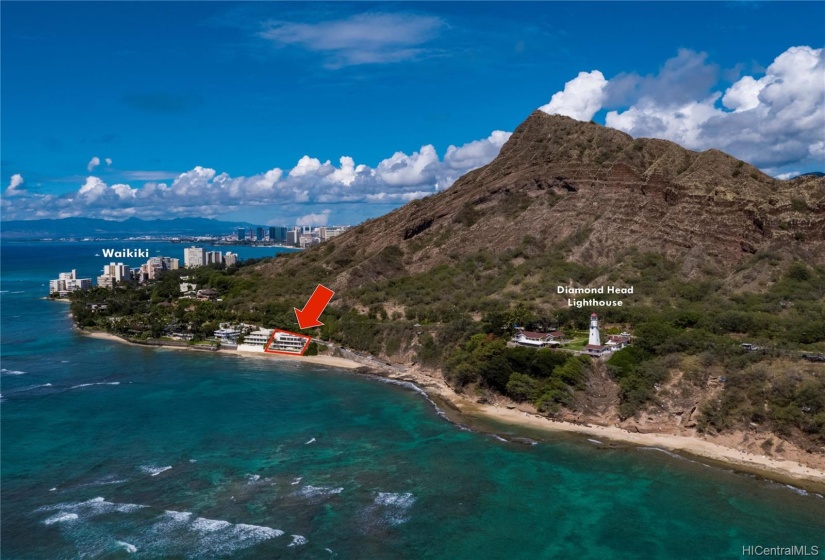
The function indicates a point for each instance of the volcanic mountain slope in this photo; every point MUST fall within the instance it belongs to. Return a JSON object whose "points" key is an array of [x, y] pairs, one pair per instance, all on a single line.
{"points": [[597, 191]]}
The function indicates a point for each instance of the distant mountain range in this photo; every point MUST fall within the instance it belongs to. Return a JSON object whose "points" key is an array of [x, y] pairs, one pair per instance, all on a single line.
{"points": [[92, 227]]}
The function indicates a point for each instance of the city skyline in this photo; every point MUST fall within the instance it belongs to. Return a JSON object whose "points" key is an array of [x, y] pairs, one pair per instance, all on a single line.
{"points": [[315, 114]]}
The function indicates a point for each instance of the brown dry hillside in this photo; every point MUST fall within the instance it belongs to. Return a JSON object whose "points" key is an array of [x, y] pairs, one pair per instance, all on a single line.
{"points": [[598, 191]]}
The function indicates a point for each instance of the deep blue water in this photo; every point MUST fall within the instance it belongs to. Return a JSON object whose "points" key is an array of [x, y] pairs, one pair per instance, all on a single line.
{"points": [[115, 451]]}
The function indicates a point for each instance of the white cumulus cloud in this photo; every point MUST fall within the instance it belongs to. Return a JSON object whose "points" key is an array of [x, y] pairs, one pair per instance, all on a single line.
{"points": [[771, 121], [202, 191], [581, 98], [14, 186], [94, 162], [317, 219]]}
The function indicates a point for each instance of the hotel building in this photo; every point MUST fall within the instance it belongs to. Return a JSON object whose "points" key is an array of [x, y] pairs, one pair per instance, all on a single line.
{"points": [[194, 257], [68, 282]]}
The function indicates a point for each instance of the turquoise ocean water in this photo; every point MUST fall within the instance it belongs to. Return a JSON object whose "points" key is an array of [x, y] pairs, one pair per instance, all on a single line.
{"points": [[114, 451]]}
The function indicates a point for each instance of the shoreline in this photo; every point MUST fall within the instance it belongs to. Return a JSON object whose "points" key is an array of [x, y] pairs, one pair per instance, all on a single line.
{"points": [[331, 361], [708, 452]]}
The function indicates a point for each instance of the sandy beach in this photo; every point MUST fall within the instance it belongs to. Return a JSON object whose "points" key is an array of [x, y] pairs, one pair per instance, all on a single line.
{"points": [[793, 472], [789, 472]]}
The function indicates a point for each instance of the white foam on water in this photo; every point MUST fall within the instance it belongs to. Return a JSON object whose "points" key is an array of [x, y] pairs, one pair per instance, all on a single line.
{"points": [[60, 517], [52, 489], [394, 506], [256, 531], [178, 515], [130, 548], [297, 540], [193, 460], [594, 441], [297, 480], [420, 391], [402, 500], [799, 491], [499, 438], [92, 384], [153, 470], [666, 452], [91, 508], [312, 491], [5, 371], [203, 525], [310, 441]]}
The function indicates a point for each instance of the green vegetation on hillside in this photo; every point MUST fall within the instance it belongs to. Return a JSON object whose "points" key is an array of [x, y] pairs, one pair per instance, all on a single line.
{"points": [[459, 315]]}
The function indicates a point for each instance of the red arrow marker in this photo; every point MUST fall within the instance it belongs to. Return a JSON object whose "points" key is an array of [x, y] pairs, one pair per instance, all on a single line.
{"points": [[308, 316]]}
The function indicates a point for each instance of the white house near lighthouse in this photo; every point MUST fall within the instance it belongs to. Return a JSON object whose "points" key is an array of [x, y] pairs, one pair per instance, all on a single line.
{"points": [[594, 343]]}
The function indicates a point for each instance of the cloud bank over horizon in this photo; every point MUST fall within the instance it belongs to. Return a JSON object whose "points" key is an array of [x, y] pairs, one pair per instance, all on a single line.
{"points": [[204, 192], [775, 121]]}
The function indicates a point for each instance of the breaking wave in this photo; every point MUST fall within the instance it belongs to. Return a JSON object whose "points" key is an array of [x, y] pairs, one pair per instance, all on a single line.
{"points": [[92, 384], [153, 470]]}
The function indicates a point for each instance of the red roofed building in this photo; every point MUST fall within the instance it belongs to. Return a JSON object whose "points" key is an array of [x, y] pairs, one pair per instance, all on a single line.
{"points": [[536, 339]]}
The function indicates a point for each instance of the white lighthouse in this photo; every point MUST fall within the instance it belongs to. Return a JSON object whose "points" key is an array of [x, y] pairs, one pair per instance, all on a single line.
{"points": [[595, 339]]}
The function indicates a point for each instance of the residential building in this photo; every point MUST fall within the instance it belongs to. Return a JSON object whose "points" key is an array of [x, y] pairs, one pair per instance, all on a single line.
{"points": [[207, 294], [535, 339], [68, 282], [618, 341], [230, 259], [227, 335], [114, 273], [169, 263], [255, 341], [288, 342], [186, 287], [213, 257], [194, 257], [328, 232], [293, 237]]}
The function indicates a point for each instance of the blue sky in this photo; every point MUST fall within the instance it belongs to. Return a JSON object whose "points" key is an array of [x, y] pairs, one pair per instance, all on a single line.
{"points": [[115, 109]]}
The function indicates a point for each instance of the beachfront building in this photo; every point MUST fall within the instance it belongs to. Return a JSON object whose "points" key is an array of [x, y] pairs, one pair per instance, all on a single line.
{"points": [[227, 335], [114, 273], [230, 259], [255, 341], [594, 346], [536, 339], [194, 257], [68, 282], [288, 342]]}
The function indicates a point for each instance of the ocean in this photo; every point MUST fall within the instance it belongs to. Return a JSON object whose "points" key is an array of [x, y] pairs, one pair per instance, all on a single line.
{"points": [[116, 451]]}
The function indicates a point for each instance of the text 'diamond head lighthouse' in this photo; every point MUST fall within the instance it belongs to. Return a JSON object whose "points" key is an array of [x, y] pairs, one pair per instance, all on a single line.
{"points": [[594, 340]]}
